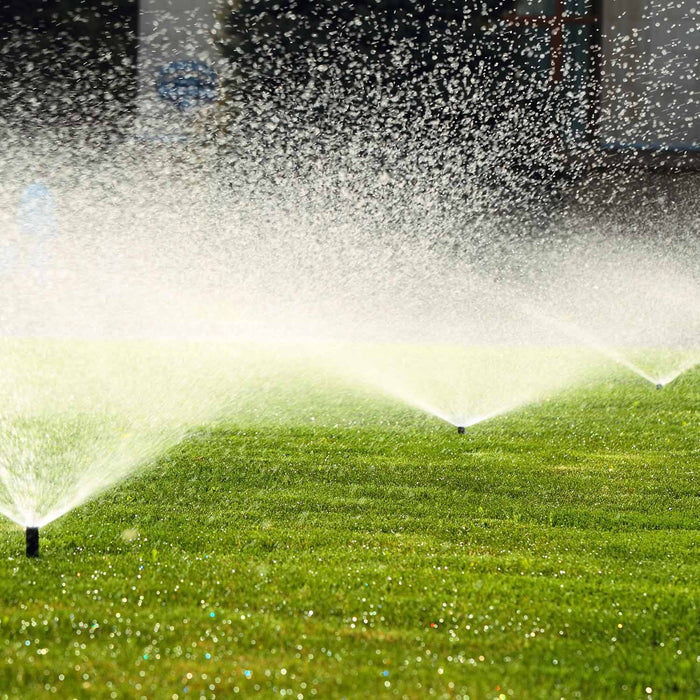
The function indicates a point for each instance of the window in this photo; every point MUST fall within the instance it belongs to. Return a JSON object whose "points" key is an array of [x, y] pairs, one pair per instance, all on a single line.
{"points": [[555, 40]]}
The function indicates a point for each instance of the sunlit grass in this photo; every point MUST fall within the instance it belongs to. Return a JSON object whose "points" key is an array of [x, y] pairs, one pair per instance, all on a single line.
{"points": [[357, 548]]}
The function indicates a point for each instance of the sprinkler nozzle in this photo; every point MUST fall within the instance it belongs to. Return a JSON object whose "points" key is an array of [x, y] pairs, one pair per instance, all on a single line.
{"points": [[461, 429], [32, 541], [659, 386]]}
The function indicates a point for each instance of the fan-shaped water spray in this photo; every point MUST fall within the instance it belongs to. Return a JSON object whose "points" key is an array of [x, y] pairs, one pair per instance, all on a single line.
{"points": [[78, 416], [406, 224], [165, 249], [637, 302]]}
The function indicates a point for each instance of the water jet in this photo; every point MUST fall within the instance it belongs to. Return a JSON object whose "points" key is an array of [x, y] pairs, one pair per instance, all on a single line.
{"points": [[32, 541]]}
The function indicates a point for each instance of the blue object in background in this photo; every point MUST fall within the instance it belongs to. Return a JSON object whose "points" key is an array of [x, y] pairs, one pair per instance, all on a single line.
{"points": [[8, 258], [36, 214], [36, 222], [187, 84]]}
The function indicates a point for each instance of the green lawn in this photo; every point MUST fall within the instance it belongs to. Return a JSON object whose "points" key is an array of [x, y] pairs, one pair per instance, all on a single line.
{"points": [[547, 553]]}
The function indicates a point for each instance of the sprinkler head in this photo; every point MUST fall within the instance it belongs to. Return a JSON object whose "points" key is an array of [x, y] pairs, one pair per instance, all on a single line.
{"points": [[461, 429], [659, 386], [32, 541]]}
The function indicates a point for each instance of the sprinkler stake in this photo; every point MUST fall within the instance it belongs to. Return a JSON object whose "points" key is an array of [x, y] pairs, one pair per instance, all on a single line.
{"points": [[32, 541], [461, 429]]}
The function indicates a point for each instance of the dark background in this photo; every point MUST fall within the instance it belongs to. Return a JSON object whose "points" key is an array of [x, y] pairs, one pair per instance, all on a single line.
{"points": [[66, 61], [428, 82], [71, 60]]}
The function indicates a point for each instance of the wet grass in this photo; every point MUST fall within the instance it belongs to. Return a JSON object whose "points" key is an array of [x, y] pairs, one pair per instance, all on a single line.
{"points": [[548, 553]]}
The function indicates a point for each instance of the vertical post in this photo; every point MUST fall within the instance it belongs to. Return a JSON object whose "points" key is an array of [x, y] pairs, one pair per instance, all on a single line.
{"points": [[557, 42], [596, 69], [556, 24], [33, 542]]}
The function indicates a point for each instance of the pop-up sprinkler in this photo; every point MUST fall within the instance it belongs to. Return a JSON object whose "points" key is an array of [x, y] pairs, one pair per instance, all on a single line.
{"points": [[659, 386], [32, 541], [461, 429]]}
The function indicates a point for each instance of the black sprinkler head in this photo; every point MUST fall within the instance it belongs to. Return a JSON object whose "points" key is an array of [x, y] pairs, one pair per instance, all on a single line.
{"points": [[461, 429], [32, 541], [659, 386]]}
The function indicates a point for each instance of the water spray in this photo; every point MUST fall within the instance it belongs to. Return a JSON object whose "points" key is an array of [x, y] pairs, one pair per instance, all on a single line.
{"points": [[461, 429], [32, 541]]}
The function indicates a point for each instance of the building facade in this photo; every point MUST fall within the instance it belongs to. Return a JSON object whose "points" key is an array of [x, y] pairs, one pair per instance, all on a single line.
{"points": [[631, 66]]}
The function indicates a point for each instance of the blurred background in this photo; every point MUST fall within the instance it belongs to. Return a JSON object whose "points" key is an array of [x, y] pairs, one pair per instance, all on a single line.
{"points": [[550, 81]]}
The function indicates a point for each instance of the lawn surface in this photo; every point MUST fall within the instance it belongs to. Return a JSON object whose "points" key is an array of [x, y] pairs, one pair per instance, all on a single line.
{"points": [[548, 553]]}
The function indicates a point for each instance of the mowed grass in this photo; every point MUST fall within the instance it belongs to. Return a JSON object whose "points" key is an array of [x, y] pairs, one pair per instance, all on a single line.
{"points": [[548, 553]]}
